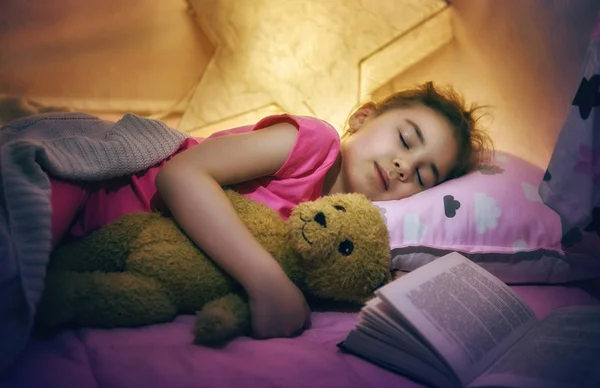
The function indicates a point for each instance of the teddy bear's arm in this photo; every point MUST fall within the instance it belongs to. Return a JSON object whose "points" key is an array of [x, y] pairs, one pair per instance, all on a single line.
{"points": [[222, 320], [102, 300]]}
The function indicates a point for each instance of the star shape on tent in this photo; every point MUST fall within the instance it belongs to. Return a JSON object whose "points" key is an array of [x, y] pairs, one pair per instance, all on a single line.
{"points": [[299, 56]]}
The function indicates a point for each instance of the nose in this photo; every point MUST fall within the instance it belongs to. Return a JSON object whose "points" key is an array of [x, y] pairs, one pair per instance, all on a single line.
{"points": [[403, 168], [320, 219]]}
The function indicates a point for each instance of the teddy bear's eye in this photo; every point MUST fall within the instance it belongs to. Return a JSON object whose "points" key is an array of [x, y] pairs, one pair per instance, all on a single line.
{"points": [[346, 247], [340, 208]]}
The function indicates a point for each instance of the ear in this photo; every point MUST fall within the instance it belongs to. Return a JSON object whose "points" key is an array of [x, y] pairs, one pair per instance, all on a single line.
{"points": [[359, 117]]}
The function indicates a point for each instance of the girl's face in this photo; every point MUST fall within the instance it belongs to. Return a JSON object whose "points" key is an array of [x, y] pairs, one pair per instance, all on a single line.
{"points": [[397, 154]]}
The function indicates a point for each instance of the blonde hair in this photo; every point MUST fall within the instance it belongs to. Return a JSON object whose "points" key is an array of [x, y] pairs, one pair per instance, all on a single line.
{"points": [[475, 146]]}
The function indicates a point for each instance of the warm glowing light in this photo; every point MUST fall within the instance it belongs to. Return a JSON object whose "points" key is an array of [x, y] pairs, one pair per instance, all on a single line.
{"points": [[307, 57]]}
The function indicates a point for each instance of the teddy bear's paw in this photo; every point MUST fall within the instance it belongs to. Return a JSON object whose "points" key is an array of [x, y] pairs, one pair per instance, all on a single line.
{"points": [[222, 320], [211, 330]]}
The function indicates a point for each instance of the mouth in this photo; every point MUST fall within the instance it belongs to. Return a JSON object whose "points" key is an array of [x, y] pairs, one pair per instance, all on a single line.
{"points": [[383, 178], [303, 235]]}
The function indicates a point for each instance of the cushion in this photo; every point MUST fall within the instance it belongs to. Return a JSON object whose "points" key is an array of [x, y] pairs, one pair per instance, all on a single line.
{"points": [[495, 217]]}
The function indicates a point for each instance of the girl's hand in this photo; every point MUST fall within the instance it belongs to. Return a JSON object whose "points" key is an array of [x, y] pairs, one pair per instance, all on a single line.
{"points": [[191, 186], [278, 308]]}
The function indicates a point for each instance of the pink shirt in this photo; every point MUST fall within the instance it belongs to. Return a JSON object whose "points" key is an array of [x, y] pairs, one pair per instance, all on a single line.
{"points": [[301, 177], [79, 209]]}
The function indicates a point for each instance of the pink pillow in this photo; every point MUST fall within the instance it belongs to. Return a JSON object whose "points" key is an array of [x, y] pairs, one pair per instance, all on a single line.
{"points": [[496, 217]]}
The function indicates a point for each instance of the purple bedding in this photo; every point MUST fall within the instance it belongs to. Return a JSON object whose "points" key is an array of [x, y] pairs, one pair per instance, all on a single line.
{"points": [[162, 356]]}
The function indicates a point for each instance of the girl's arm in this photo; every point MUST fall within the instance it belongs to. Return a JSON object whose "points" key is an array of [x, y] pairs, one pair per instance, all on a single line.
{"points": [[190, 184]]}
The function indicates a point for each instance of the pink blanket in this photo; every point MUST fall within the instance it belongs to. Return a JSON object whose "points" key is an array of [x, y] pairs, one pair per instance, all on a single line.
{"points": [[162, 355]]}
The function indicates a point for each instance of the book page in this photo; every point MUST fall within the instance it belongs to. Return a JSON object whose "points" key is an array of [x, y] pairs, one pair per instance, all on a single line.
{"points": [[386, 355], [379, 316], [563, 350], [470, 317], [392, 322]]}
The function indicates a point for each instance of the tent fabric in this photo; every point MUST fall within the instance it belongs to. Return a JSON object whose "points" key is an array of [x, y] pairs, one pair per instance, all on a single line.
{"points": [[571, 185]]}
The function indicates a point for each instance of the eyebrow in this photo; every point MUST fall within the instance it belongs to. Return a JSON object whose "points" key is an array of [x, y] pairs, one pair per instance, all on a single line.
{"points": [[417, 130]]}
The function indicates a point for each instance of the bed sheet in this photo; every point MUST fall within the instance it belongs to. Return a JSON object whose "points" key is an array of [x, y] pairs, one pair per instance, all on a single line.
{"points": [[162, 355]]}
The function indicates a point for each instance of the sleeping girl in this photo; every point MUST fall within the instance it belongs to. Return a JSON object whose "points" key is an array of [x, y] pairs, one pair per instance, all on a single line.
{"points": [[394, 148]]}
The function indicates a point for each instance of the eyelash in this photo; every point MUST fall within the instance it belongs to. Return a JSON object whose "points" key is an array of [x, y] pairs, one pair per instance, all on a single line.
{"points": [[418, 173], [419, 179], [404, 142]]}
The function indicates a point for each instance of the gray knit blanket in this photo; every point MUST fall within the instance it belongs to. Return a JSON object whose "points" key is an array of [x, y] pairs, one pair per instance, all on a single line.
{"points": [[69, 146]]}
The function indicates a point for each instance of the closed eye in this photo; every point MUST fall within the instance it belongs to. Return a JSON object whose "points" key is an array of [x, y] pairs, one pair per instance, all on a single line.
{"points": [[418, 174], [404, 142]]}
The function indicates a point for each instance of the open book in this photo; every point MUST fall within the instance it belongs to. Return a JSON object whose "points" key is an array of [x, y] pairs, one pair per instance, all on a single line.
{"points": [[450, 323]]}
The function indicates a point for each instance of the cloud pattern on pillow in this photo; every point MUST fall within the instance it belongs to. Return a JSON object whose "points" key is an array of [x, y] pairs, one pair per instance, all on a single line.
{"points": [[496, 217], [487, 213], [414, 229]]}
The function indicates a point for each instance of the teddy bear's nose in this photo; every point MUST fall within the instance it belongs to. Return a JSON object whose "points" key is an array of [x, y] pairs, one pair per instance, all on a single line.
{"points": [[320, 219]]}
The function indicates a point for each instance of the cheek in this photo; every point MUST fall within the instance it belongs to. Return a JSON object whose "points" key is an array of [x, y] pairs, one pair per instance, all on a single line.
{"points": [[374, 138], [450, 154]]}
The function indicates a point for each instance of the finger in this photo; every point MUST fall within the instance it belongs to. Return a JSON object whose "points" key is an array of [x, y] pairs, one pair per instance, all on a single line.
{"points": [[305, 326], [308, 321], [296, 333], [308, 324], [260, 333], [264, 336], [308, 315]]}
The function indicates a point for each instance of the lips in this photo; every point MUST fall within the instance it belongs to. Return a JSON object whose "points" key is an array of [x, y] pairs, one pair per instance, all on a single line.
{"points": [[382, 176]]}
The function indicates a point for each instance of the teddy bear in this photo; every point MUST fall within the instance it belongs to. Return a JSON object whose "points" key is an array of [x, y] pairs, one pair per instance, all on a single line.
{"points": [[142, 269]]}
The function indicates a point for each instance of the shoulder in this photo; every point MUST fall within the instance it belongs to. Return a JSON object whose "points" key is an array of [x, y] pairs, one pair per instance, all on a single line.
{"points": [[310, 129], [308, 142], [316, 146]]}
